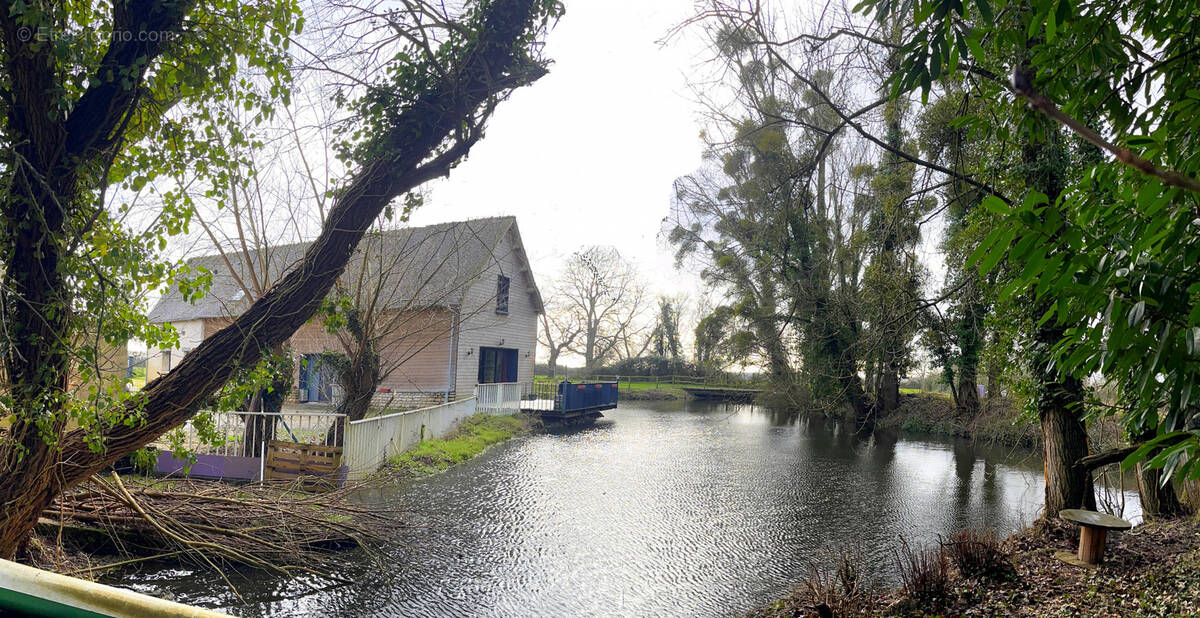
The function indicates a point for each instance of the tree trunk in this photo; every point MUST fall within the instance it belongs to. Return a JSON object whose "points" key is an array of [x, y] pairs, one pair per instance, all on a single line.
{"points": [[1064, 441], [967, 393], [1059, 397], [1158, 500], [35, 472], [37, 306], [970, 341], [888, 396]]}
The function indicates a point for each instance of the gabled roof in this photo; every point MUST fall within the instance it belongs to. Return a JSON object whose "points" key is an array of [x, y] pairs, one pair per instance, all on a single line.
{"points": [[422, 267]]}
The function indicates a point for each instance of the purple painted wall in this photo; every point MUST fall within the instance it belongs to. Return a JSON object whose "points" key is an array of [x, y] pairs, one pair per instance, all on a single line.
{"points": [[211, 467], [231, 467]]}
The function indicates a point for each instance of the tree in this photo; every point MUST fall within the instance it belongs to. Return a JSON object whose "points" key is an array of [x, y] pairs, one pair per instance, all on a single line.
{"points": [[781, 226], [1101, 249], [958, 335], [722, 340], [603, 292], [560, 330], [893, 277], [665, 336], [74, 112]]}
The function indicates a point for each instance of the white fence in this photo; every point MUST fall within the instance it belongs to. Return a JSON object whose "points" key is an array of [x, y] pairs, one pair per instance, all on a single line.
{"points": [[371, 441]]}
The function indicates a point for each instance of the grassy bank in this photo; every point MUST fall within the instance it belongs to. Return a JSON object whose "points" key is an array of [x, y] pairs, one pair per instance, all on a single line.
{"points": [[470, 439], [934, 413], [649, 392], [1153, 570]]}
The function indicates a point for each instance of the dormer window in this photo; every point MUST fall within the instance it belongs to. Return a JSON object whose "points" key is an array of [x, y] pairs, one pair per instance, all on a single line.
{"points": [[502, 295]]}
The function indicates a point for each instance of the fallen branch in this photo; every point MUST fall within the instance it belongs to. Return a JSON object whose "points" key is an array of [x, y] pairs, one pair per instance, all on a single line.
{"points": [[271, 527]]}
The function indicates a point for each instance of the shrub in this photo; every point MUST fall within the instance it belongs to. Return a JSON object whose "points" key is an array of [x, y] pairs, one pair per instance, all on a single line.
{"points": [[978, 554], [924, 573], [840, 591]]}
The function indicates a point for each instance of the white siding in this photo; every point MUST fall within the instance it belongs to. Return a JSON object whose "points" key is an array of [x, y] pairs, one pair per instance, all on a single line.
{"points": [[481, 326], [191, 333]]}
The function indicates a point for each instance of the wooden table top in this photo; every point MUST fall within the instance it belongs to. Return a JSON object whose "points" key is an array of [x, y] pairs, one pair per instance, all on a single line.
{"points": [[1094, 520]]}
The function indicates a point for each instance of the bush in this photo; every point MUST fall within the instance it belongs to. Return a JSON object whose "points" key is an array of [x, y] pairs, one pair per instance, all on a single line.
{"points": [[842, 591], [978, 554], [924, 573]]}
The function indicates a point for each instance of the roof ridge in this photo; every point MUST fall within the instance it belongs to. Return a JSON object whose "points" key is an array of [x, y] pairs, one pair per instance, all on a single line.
{"points": [[303, 243]]}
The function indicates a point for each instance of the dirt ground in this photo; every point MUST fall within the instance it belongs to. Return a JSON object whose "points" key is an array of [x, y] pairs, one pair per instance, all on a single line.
{"points": [[1152, 570]]}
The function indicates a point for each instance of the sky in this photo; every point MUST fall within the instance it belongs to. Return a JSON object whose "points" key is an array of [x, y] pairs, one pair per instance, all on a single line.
{"points": [[587, 155]]}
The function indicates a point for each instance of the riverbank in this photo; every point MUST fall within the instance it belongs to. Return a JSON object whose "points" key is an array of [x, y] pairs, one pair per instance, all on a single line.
{"points": [[1153, 570], [662, 393], [472, 437], [934, 413]]}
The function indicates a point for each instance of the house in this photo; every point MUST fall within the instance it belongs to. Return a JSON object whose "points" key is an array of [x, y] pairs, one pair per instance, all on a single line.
{"points": [[458, 300]]}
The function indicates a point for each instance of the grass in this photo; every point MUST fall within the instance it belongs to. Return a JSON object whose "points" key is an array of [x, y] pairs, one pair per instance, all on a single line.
{"points": [[472, 437], [138, 379]]}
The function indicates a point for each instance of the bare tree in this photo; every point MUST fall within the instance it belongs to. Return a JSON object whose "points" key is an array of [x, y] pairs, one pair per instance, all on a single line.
{"points": [[603, 291], [559, 331]]}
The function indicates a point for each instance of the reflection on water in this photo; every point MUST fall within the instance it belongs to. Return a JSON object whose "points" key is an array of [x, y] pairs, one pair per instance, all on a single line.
{"points": [[660, 509]]}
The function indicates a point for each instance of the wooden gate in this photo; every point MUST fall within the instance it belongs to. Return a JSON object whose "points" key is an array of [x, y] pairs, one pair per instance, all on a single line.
{"points": [[291, 460]]}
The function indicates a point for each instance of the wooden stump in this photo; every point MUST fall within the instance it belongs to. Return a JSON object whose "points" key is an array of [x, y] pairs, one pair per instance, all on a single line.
{"points": [[1093, 531], [1091, 544]]}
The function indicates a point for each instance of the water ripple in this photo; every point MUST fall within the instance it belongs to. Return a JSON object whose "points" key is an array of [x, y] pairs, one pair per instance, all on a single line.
{"points": [[660, 509]]}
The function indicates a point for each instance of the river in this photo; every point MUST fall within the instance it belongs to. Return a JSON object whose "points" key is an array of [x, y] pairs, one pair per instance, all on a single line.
{"points": [[661, 508]]}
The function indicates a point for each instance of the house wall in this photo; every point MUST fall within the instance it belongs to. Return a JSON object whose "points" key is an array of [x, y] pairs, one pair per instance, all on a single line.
{"points": [[481, 326], [416, 349], [191, 333], [112, 361]]}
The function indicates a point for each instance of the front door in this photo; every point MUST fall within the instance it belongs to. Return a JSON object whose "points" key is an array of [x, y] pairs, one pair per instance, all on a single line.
{"points": [[315, 384], [497, 365]]}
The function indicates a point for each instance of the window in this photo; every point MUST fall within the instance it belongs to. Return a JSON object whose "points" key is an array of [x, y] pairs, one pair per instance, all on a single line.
{"points": [[166, 360], [501, 294]]}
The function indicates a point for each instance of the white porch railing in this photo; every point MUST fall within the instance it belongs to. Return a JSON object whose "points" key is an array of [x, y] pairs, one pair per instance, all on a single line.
{"points": [[225, 433], [501, 398]]}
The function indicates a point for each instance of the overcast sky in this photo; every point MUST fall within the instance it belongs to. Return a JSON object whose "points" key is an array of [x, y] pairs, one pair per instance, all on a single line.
{"points": [[587, 155]]}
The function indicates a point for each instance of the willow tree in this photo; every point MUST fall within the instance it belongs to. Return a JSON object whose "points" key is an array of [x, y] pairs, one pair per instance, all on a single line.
{"points": [[81, 120]]}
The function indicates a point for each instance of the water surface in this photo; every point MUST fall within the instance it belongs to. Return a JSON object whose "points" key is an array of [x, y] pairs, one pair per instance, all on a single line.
{"points": [[662, 508]]}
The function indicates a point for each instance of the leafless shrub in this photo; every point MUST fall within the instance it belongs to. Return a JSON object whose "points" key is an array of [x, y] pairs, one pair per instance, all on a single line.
{"points": [[842, 590], [924, 573], [978, 554]]}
